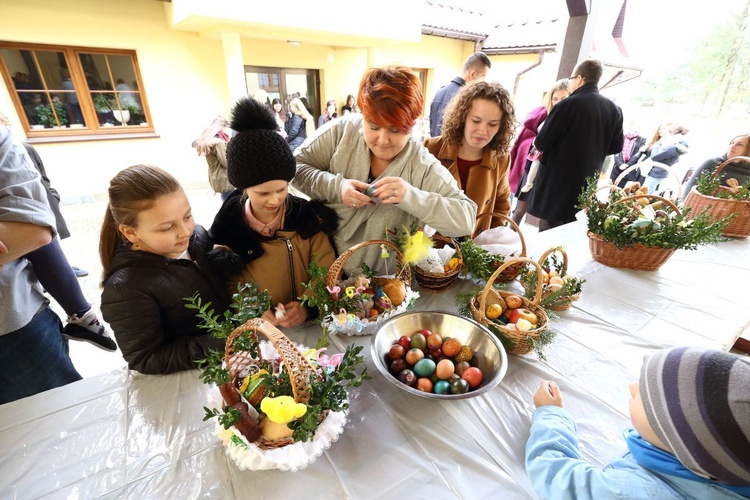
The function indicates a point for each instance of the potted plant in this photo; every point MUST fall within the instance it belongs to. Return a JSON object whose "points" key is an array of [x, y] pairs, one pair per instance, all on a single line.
{"points": [[46, 116]]}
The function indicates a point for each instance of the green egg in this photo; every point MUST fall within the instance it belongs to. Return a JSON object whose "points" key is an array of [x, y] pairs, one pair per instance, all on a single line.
{"points": [[424, 367]]}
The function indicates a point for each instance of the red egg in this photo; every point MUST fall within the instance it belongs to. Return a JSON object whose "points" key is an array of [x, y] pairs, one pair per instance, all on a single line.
{"points": [[425, 332], [405, 342], [396, 351], [473, 376], [398, 365]]}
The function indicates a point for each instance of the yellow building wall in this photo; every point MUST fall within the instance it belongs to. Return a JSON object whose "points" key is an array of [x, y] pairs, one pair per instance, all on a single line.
{"points": [[185, 79]]}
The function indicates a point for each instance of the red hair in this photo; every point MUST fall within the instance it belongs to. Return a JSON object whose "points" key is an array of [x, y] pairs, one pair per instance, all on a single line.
{"points": [[391, 97]]}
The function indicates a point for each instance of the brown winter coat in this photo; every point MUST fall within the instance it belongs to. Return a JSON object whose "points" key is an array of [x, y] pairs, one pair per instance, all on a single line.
{"points": [[487, 183]]}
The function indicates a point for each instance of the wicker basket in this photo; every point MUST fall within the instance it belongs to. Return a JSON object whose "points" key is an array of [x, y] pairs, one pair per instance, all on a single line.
{"points": [[639, 257], [366, 326], [720, 208], [511, 272], [298, 367], [439, 281], [521, 341], [562, 303]]}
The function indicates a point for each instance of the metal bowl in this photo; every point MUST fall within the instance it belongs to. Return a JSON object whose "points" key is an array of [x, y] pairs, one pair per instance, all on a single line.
{"points": [[493, 361]]}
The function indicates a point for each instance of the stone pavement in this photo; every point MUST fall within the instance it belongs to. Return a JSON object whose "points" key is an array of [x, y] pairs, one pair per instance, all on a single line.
{"points": [[82, 250]]}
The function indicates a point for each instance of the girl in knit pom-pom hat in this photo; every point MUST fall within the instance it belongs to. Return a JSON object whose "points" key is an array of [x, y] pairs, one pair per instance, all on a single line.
{"points": [[691, 436], [273, 235]]}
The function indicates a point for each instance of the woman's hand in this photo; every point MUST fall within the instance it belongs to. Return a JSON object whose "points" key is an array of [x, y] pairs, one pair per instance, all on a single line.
{"points": [[390, 190], [352, 193], [548, 394], [295, 314]]}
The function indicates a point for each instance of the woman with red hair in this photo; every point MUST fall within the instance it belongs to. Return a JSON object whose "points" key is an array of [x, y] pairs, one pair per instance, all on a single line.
{"points": [[375, 176]]}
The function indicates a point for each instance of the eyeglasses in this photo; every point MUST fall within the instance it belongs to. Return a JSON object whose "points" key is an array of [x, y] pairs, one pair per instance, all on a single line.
{"points": [[573, 77]]}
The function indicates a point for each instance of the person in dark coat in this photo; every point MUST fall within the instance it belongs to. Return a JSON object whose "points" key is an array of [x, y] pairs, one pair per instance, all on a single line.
{"points": [[153, 257], [578, 133]]}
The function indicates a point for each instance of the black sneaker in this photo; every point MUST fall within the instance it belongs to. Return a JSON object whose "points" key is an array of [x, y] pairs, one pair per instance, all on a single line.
{"points": [[80, 273], [89, 329]]}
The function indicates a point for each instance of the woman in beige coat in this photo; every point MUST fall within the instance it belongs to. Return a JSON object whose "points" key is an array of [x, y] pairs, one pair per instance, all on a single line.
{"points": [[474, 147]]}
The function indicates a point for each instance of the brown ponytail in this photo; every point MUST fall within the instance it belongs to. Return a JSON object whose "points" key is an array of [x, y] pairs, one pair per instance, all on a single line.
{"points": [[130, 191]]}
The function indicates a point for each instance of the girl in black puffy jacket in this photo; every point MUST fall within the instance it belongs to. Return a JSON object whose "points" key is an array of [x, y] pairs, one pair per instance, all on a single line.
{"points": [[154, 256]]}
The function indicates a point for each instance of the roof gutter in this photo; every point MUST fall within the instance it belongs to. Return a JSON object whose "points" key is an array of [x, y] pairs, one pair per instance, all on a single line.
{"points": [[519, 50], [518, 75], [458, 35]]}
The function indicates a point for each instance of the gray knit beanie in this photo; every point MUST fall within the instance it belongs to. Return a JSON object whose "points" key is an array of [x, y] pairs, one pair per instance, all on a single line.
{"points": [[257, 154], [697, 400]]}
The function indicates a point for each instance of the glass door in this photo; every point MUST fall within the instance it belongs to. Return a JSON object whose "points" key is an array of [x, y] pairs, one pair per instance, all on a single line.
{"points": [[285, 84]]}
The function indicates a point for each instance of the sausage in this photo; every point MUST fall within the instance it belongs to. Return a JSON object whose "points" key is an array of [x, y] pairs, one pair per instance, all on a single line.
{"points": [[247, 425]]}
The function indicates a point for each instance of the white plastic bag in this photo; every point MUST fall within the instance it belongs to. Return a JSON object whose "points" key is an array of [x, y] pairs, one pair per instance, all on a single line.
{"points": [[501, 240]]}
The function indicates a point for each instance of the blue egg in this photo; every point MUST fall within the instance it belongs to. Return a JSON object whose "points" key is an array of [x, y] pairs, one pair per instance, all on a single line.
{"points": [[442, 387]]}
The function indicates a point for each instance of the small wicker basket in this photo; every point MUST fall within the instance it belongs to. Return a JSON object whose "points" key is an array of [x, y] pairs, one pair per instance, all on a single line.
{"points": [[439, 281], [298, 367], [720, 208], [511, 272], [639, 257], [368, 325], [521, 341], [561, 303]]}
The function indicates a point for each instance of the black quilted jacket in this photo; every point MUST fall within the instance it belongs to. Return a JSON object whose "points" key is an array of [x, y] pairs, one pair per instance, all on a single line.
{"points": [[143, 301]]}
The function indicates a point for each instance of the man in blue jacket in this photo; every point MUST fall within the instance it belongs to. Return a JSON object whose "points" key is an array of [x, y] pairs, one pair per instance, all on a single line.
{"points": [[475, 67], [576, 136]]}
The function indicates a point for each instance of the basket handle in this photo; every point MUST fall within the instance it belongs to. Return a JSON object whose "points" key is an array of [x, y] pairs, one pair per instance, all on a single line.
{"points": [[655, 196], [296, 364], [670, 171], [552, 250], [437, 237], [499, 270], [730, 160], [512, 224], [334, 272]]}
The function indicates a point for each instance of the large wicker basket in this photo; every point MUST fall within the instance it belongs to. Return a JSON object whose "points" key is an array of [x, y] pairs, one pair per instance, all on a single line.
{"points": [[561, 303], [439, 281], [367, 326], [520, 342], [721, 208], [639, 257], [511, 272], [298, 367]]}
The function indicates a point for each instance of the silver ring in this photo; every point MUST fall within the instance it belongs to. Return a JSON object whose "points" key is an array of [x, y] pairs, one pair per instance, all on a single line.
{"points": [[354, 205]]}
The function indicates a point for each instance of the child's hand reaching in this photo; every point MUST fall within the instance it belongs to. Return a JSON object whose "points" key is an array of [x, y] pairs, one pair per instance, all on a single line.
{"points": [[548, 394]]}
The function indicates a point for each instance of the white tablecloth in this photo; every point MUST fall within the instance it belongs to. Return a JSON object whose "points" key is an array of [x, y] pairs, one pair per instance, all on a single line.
{"points": [[126, 435]]}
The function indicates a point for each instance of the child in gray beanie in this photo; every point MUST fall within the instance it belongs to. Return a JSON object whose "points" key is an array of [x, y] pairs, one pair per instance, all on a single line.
{"points": [[691, 436]]}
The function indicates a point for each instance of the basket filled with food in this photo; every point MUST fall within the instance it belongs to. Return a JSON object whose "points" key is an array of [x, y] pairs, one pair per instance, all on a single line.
{"points": [[723, 198], [489, 249], [641, 231], [559, 288], [356, 304]]}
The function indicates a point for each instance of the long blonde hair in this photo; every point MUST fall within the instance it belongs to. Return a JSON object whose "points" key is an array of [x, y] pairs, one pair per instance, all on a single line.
{"points": [[558, 85]]}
